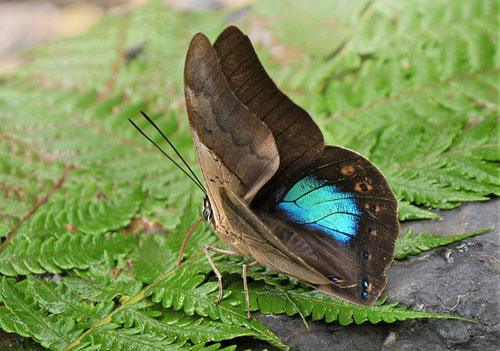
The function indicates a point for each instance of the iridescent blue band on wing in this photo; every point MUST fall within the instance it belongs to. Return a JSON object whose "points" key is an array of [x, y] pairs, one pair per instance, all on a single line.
{"points": [[314, 203]]}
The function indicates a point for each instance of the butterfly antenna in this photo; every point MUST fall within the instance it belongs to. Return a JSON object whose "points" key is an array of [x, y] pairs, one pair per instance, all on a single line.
{"points": [[170, 158], [173, 147]]}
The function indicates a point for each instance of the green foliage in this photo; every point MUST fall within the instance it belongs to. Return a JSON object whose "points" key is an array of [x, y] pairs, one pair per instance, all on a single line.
{"points": [[89, 215], [323, 307], [23, 315], [418, 95], [409, 244], [28, 255], [93, 217]]}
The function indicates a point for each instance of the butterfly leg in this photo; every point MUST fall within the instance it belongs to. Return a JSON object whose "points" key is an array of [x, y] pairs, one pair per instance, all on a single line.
{"points": [[245, 286], [216, 271]]}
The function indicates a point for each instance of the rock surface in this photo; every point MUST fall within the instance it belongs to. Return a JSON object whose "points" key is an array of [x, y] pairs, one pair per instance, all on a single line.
{"points": [[461, 279]]}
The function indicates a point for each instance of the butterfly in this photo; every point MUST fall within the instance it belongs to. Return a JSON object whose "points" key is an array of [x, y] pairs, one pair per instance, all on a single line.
{"points": [[275, 192]]}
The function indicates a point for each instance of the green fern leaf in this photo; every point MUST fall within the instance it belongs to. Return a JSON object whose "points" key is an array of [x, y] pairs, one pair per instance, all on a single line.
{"points": [[102, 288], [87, 215], [429, 193], [186, 291], [182, 327], [321, 306], [61, 301], [108, 337], [152, 259], [409, 244], [23, 316], [61, 253], [157, 255], [408, 211]]}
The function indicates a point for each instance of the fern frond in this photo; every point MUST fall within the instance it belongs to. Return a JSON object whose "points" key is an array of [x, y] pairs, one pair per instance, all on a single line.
{"points": [[185, 291], [22, 315], [409, 244], [87, 215], [104, 288], [182, 327], [428, 193], [450, 171], [61, 301], [157, 255], [320, 306], [408, 211], [67, 251], [109, 337]]}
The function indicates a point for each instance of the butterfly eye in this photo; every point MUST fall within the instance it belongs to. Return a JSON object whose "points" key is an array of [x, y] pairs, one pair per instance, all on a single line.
{"points": [[207, 208], [206, 213]]}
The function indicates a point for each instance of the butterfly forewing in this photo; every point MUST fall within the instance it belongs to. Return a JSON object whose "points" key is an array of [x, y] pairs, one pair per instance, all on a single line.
{"points": [[234, 148], [298, 138]]}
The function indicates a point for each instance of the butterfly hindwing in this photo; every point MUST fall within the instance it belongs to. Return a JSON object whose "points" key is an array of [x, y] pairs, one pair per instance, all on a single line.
{"points": [[257, 241], [340, 216]]}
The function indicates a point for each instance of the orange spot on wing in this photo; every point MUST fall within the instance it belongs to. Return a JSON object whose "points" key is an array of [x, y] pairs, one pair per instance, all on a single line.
{"points": [[347, 170], [361, 187], [377, 208], [367, 206], [374, 232]]}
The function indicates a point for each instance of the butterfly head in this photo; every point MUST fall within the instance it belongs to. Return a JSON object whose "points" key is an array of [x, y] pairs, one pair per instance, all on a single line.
{"points": [[208, 213]]}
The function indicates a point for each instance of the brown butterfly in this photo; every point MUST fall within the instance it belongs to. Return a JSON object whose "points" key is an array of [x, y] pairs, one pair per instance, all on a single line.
{"points": [[274, 191], [322, 214]]}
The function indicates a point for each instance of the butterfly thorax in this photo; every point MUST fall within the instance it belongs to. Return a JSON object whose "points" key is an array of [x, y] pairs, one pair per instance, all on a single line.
{"points": [[220, 225]]}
